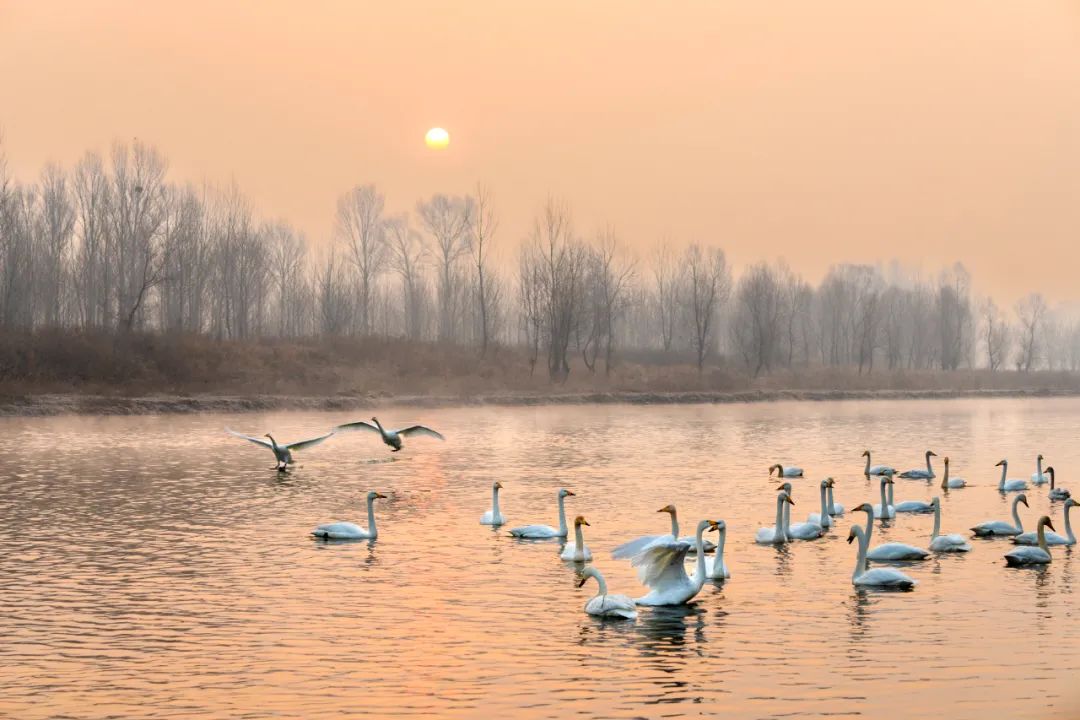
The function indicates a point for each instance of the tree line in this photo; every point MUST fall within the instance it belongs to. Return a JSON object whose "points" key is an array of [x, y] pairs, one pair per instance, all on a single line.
{"points": [[112, 244]]}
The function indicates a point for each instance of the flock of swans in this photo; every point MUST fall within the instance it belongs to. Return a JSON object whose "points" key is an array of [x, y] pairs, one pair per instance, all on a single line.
{"points": [[660, 560]]}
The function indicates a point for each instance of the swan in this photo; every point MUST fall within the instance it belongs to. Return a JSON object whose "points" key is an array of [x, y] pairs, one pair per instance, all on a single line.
{"points": [[633, 547], [892, 551], [824, 518], [1039, 477], [715, 567], [351, 531], [1000, 527], [808, 530], [884, 509], [1056, 493], [776, 534], [390, 437], [951, 483], [1009, 485], [546, 531], [577, 551], [877, 577], [493, 516], [919, 474], [785, 471], [875, 469], [604, 605], [835, 508], [1030, 538], [283, 453], [1026, 555], [945, 543], [662, 567], [909, 506]]}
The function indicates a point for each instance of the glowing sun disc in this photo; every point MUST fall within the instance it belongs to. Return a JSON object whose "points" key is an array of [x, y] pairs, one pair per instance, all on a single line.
{"points": [[437, 138]]}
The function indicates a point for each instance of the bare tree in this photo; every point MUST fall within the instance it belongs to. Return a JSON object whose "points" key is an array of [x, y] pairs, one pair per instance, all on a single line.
{"points": [[361, 227], [1031, 312], [449, 221], [288, 251], [707, 286], [666, 279], [997, 336], [485, 223], [56, 229], [406, 258]]}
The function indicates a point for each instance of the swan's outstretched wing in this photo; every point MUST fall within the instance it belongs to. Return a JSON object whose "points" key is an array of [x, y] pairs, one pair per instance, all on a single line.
{"points": [[358, 425], [301, 444], [257, 441], [662, 564], [421, 430], [634, 547]]}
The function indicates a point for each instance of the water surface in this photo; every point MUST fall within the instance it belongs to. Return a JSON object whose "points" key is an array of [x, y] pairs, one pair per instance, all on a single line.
{"points": [[155, 567]]}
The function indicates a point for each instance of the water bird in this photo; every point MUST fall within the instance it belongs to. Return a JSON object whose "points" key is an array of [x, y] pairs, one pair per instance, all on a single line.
{"points": [[835, 508], [884, 509], [1039, 477], [715, 567], [952, 542], [661, 566], [539, 532], [1052, 538], [876, 469], [391, 437], [875, 577], [577, 551], [1000, 527], [776, 535], [282, 453], [809, 530], [604, 604], [1027, 555], [352, 531], [947, 482], [494, 516], [824, 518], [788, 471], [908, 506], [1056, 493], [1009, 485], [891, 551], [920, 474], [633, 547]]}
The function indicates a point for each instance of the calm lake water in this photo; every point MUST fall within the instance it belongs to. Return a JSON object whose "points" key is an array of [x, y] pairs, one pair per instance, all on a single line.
{"points": [[155, 567]]}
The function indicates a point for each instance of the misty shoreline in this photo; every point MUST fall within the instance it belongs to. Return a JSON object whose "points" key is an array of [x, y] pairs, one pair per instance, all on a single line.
{"points": [[47, 405]]}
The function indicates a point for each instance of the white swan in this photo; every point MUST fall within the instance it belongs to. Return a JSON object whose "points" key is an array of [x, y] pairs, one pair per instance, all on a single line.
{"points": [[909, 506], [282, 453], [351, 531], [945, 543], [1009, 485], [788, 471], [835, 508], [1056, 493], [808, 530], [947, 482], [875, 469], [391, 437], [494, 516], [1000, 527], [824, 518], [546, 531], [715, 567], [633, 547], [892, 551], [1039, 477], [1030, 538], [884, 509], [577, 551], [603, 604], [877, 577], [1026, 555], [662, 567], [920, 474], [776, 534]]}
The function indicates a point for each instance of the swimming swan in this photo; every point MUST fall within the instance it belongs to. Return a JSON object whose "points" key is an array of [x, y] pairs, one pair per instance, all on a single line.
{"points": [[892, 551], [661, 566], [824, 518], [909, 506], [1026, 555], [1056, 493], [875, 469], [1052, 538], [951, 483], [577, 551], [391, 437], [1039, 477], [351, 531], [1000, 527], [715, 567], [1009, 485], [283, 453], [782, 471], [604, 605], [776, 534], [884, 509], [945, 543], [876, 577], [809, 530], [919, 474], [538, 532], [835, 508], [494, 516]]}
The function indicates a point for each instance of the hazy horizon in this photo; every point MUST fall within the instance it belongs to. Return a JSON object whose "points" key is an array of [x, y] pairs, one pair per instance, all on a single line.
{"points": [[920, 132]]}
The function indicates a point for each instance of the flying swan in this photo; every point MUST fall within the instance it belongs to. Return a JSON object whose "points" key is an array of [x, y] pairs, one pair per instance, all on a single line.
{"points": [[351, 531], [283, 453], [390, 437]]}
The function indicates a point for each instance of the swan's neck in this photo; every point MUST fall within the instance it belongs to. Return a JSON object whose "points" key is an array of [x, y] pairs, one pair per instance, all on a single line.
{"points": [[832, 505], [1004, 470], [787, 520], [601, 582], [562, 517], [1068, 525], [1016, 515], [1052, 480], [579, 538], [1042, 538], [945, 478], [371, 517], [780, 531], [937, 521], [273, 442], [699, 569], [867, 464], [884, 499], [1038, 466], [860, 563], [929, 470], [674, 525], [824, 507], [718, 560], [891, 488], [494, 503], [869, 526]]}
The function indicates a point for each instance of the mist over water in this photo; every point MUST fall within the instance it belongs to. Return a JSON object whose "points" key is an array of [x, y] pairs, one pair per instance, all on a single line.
{"points": [[157, 567]]}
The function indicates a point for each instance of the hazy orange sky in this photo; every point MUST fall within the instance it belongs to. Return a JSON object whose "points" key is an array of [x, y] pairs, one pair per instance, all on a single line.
{"points": [[816, 131]]}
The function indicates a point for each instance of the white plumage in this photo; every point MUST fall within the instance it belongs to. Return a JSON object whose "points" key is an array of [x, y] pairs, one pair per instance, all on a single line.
{"points": [[351, 531]]}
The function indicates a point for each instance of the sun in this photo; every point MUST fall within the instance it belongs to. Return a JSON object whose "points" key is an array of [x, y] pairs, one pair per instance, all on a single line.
{"points": [[437, 138]]}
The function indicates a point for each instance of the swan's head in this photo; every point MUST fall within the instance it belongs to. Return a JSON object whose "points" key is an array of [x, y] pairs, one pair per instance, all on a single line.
{"points": [[825, 483], [999, 463], [580, 520], [785, 487], [498, 485], [935, 501], [373, 495], [1050, 471], [865, 453], [866, 508], [669, 509], [946, 460], [1040, 457], [565, 493], [721, 525], [1070, 502], [777, 468], [931, 453], [829, 482], [1045, 520], [852, 534], [713, 525], [784, 497], [1022, 498], [583, 576]]}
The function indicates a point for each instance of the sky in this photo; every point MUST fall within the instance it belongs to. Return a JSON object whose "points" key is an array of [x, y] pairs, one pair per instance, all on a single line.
{"points": [[816, 132]]}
